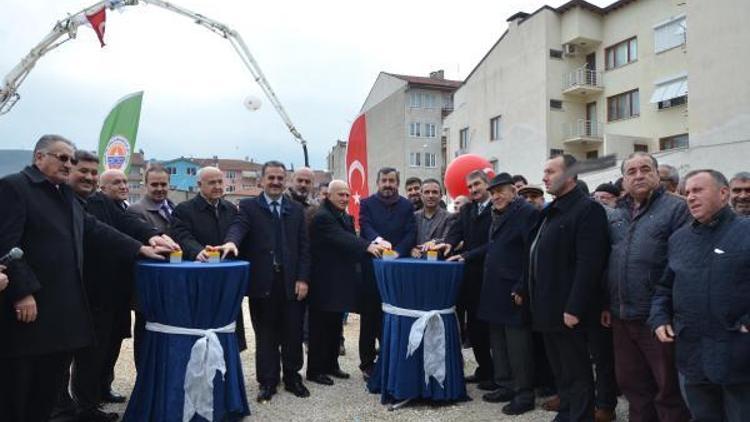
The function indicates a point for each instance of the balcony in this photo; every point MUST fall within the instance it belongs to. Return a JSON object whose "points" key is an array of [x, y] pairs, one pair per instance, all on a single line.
{"points": [[583, 133], [583, 82]]}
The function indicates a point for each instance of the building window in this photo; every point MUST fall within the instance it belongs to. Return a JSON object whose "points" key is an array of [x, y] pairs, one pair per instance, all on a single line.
{"points": [[190, 171], [622, 53], [415, 129], [673, 102], [495, 128], [590, 155], [555, 152], [447, 102], [555, 54], [415, 159], [430, 160], [229, 188], [429, 101], [623, 106], [231, 174], [171, 170], [640, 148], [555, 104], [415, 100], [670, 34], [495, 165], [463, 138], [672, 142], [429, 130]]}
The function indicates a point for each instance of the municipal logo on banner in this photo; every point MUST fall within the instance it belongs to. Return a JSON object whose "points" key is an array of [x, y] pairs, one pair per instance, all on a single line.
{"points": [[117, 153]]}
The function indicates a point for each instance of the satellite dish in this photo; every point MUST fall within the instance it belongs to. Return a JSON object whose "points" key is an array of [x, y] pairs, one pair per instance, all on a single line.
{"points": [[252, 102]]}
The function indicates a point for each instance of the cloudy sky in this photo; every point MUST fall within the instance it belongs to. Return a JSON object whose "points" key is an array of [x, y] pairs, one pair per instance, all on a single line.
{"points": [[321, 58]]}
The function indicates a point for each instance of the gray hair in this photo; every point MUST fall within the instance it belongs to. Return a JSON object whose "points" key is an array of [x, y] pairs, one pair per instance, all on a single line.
{"points": [[718, 177], [672, 173], [742, 176], [85, 156], [199, 174], [46, 141], [640, 154], [478, 174]]}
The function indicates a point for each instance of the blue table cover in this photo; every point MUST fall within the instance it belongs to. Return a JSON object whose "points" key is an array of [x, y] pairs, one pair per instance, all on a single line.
{"points": [[421, 285], [190, 295]]}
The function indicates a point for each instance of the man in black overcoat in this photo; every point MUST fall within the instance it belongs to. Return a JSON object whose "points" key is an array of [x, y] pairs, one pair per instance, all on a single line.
{"points": [[270, 232], [44, 313]]}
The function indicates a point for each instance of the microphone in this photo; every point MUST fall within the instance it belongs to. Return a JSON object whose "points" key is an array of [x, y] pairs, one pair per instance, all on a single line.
{"points": [[14, 254]]}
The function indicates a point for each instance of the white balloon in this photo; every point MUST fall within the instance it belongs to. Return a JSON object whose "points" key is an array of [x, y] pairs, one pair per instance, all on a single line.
{"points": [[252, 102]]}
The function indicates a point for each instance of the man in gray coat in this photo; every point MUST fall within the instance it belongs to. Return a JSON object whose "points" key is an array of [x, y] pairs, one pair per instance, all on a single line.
{"points": [[433, 221], [155, 208]]}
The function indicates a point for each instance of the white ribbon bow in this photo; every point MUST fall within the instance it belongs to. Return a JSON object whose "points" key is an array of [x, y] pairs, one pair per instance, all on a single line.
{"points": [[206, 357], [428, 327]]}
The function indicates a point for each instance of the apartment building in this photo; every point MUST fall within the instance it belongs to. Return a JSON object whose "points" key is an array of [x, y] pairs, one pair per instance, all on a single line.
{"points": [[404, 125], [336, 160], [593, 81]]}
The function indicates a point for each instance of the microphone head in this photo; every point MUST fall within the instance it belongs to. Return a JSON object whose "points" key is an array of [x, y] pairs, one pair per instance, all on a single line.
{"points": [[15, 253]]}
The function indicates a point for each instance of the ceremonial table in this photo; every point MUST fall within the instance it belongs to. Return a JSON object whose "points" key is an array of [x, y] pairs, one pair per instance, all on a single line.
{"points": [[189, 365], [420, 351]]}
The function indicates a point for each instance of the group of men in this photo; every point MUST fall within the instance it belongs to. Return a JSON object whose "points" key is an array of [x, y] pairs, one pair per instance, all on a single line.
{"points": [[632, 288]]}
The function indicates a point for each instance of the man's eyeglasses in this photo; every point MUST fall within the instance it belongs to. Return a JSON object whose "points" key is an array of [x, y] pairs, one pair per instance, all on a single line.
{"points": [[63, 158]]}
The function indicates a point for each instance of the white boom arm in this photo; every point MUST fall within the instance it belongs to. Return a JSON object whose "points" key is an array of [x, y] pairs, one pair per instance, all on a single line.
{"points": [[68, 26]]}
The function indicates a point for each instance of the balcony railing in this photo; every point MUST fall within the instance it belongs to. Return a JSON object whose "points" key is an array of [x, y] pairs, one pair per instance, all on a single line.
{"points": [[583, 129], [583, 78]]}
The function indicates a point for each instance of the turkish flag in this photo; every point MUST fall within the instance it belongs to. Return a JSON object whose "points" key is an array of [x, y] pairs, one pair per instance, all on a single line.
{"points": [[356, 165], [98, 21]]}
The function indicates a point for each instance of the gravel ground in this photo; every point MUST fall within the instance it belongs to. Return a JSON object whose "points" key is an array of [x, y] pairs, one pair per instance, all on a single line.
{"points": [[347, 400]]}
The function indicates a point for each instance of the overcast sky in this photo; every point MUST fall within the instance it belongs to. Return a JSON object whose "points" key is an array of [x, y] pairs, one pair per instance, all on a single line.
{"points": [[321, 58]]}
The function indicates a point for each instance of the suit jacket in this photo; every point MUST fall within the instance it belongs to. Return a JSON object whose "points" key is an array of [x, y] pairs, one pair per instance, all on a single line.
{"points": [[51, 227], [440, 225], [394, 223], [473, 229], [111, 298], [253, 232], [337, 253], [148, 211], [506, 265], [195, 224], [567, 262]]}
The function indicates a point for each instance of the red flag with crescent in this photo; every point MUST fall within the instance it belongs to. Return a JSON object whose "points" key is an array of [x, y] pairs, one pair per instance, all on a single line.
{"points": [[98, 21], [356, 165]]}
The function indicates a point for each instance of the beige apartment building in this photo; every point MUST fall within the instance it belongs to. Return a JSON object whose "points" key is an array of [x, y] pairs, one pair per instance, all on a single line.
{"points": [[593, 81], [404, 117]]}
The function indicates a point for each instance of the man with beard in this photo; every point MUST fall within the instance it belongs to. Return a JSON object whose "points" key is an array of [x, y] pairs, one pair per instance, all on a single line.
{"points": [[472, 228], [336, 272], [414, 192], [386, 219], [568, 254], [204, 221], [301, 188], [739, 193], [92, 371], [270, 232], [45, 313]]}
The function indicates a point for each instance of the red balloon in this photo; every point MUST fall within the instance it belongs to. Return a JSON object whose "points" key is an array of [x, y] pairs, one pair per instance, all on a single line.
{"points": [[458, 169]]}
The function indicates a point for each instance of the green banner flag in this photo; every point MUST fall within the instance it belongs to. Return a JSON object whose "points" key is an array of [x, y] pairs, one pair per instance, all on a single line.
{"points": [[117, 140]]}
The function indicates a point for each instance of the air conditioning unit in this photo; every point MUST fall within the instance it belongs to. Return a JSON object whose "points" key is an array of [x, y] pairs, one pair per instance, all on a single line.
{"points": [[570, 50]]}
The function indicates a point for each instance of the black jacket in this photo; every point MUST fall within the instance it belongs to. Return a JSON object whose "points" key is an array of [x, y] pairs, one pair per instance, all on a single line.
{"points": [[705, 295], [336, 256], [473, 229], [506, 265], [253, 232], [51, 227], [195, 225], [639, 251], [567, 262], [108, 281]]}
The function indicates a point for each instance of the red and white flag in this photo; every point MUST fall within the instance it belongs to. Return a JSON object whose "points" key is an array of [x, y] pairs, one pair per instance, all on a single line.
{"points": [[356, 165], [98, 21]]}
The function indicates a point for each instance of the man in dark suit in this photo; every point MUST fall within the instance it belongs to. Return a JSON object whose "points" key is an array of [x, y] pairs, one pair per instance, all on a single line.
{"points": [[45, 314], [567, 260], [203, 221], [502, 302], [270, 232], [109, 302], [337, 253], [386, 219], [472, 228], [113, 183]]}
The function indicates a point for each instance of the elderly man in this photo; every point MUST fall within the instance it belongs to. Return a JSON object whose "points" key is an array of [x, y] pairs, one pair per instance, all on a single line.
{"points": [[502, 302], [385, 219], [114, 184], [534, 195], [472, 228], [639, 228], [270, 232], [459, 202], [433, 221], [204, 221], [567, 260], [336, 272], [45, 310], [155, 208], [607, 194], [702, 302], [301, 188], [739, 193], [413, 187], [92, 371], [669, 177]]}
